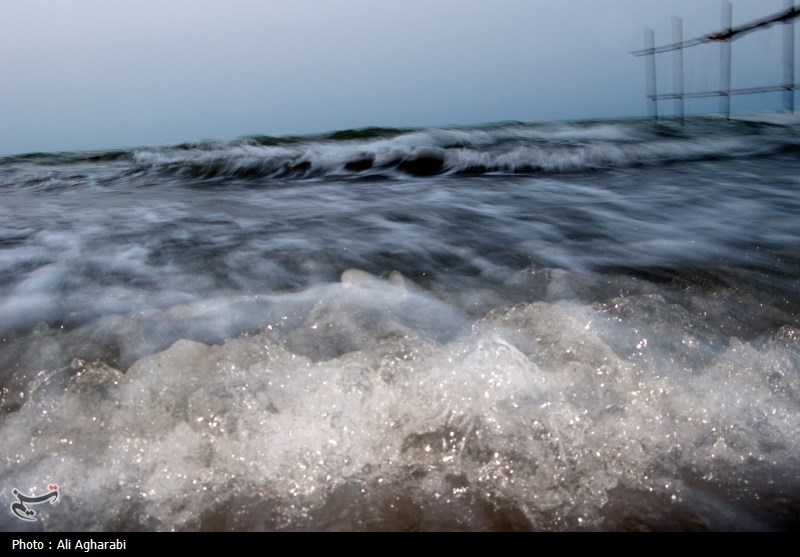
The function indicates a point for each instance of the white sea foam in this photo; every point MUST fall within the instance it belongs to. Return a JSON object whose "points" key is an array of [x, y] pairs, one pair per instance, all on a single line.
{"points": [[540, 412]]}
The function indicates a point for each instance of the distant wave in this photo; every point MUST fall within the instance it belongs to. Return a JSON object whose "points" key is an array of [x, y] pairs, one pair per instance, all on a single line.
{"points": [[506, 148]]}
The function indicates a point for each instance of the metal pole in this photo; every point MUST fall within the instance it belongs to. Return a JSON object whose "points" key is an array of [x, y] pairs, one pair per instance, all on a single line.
{"points": [[677, 67], [788, 60], [725, 65], [650, 71]]}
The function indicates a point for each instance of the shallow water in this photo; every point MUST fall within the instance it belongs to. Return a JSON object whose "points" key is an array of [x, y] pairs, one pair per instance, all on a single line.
{"points": [[555, 326]]}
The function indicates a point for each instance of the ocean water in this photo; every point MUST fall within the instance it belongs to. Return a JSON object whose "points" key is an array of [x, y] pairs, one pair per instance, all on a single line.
{"points": [[568, 326]]}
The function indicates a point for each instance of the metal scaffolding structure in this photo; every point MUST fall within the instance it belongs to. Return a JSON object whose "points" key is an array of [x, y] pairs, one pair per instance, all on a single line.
{"points": [[725, 37]]}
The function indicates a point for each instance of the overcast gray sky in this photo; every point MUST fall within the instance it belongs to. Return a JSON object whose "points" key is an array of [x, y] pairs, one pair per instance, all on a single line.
{"points": [[89, 74]]}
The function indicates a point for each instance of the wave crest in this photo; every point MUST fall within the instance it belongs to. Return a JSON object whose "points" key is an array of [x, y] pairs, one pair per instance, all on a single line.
{"points": [[507, 148]]}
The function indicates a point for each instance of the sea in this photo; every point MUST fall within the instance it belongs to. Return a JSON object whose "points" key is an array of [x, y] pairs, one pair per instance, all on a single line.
{"points": [[588, 325]]}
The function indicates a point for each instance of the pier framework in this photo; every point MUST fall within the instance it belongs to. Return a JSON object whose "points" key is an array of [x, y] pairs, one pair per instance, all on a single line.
{"points": [[725, 37]]}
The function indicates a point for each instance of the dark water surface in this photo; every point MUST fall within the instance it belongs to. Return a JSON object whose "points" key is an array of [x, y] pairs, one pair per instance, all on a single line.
{"points": [[592, 325]]}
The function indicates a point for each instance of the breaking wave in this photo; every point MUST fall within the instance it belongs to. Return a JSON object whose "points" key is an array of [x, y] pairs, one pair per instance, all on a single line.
{"points": [[512, 148]]}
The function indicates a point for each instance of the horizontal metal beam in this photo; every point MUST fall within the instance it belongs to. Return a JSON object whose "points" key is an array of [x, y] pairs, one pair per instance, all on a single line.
{"points": [[743, 91], [726, 34]]}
